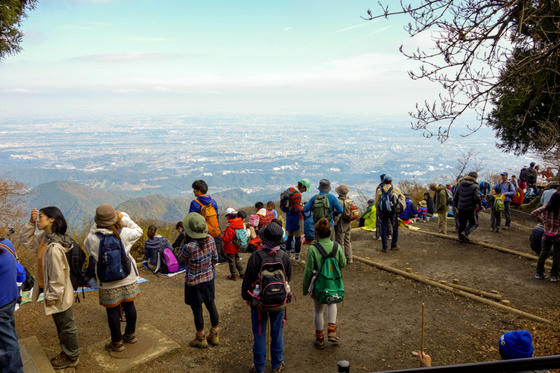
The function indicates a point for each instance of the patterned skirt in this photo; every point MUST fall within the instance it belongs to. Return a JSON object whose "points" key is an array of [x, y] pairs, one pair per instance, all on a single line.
{"points": [[113, 297]]}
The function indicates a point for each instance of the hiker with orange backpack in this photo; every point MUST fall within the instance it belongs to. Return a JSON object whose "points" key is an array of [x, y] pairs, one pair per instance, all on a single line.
{"points": [[208, 208]]}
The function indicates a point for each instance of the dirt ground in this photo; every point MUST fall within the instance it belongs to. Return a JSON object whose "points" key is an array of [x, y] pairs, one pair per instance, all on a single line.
{"points": [[379, 321]]}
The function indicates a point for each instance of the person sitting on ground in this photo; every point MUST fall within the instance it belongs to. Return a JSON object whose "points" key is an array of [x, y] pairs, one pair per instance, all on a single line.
{"points": [[368, 219], [517, 344], [430, 208], [423, 211], [118, 294], [180, 238], [549, 215], [200, 256], [271, 239], [53, 278], [467, 200], [484, 187], [153, 245], [313, 263], [265, 216], [10, 356], [270, 206], [410, 210], [231, 248]]}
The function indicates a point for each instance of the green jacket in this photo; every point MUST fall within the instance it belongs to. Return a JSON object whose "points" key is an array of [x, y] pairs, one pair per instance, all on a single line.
{"points": [[442, 204], [370, 216], [315, 260]]}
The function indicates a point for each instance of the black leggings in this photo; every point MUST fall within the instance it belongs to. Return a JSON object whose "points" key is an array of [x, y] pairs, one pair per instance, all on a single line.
{"points": [[199, 318], [114, 318]]}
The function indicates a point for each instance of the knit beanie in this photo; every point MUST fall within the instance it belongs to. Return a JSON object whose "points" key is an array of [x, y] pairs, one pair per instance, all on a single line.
{"points": [[272, 235], [105, 216], [342, 189], [517, 344]]}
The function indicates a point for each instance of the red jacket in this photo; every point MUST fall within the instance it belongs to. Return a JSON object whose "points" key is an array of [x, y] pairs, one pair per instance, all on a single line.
{"points": [[229, 235]]}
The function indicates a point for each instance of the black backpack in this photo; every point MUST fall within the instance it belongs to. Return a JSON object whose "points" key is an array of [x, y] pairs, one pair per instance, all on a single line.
{"points": [[285, 197], [524, 174], [82, 267]]}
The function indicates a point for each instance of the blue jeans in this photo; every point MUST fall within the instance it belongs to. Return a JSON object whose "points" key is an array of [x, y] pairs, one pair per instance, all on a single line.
{"points": [[389, 219], [259, 318], [10, 357]]}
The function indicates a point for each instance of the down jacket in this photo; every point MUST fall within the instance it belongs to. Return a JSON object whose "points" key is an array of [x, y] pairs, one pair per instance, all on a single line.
{"points": [[467, 194], [229, 235]]}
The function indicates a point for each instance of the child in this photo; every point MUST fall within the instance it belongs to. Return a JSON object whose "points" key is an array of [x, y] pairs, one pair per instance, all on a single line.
{"points": [[230, 248], [423, 211], [272, 208]]}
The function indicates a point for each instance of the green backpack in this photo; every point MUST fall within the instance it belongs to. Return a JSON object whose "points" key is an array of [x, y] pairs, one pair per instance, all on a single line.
{"points": [[499, 204], [328, 287], [321, 207]]}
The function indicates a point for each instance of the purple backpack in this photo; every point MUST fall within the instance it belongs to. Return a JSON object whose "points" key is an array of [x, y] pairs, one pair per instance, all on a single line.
{"points": [[167, 262]]}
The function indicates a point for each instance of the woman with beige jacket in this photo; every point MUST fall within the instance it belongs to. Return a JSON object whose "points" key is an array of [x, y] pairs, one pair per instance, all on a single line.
{"points": [[53, 278], [119, 293]]}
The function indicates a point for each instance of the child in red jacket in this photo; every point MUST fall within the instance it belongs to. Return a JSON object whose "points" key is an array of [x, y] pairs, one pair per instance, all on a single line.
{"points": [[234, 237]]}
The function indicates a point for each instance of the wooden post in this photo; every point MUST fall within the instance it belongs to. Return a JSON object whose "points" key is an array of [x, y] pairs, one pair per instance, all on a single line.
{"points": [[422, 341]]}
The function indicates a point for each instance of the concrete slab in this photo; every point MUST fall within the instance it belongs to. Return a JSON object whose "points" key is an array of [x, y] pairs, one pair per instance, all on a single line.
{"points": [[152, 343], [35, 360]]}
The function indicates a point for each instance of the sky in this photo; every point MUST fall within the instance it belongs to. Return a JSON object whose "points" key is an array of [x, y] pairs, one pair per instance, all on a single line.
{"points": [[85, 57]]}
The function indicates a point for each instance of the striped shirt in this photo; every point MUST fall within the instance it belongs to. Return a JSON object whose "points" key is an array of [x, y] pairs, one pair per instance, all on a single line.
{"points": [[295, 201], [199, 260]]}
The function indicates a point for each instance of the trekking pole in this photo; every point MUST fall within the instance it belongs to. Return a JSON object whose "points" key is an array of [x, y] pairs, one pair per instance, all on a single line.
{"points": [[422, 341], [268, 338]]}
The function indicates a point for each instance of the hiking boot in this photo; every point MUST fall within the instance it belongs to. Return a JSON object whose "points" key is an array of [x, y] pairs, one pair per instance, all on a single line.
{"points": [[332, 338], [115, 346], [553, 278], [279, 369], [62, 361], [199, 341], [232, 277], [129, 338], [539, 276], [395, 248], [253, 369], [319, 343], [213, 338]]}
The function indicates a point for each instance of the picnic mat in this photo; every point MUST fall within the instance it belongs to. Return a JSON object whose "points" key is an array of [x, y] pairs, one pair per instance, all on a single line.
{"points": [[369, 229], [27, 296], [182, 269]]}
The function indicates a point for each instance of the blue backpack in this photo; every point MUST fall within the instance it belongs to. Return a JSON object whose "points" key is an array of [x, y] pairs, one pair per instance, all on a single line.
{"points": [[385, 203], [112, 262], [241, 240]]}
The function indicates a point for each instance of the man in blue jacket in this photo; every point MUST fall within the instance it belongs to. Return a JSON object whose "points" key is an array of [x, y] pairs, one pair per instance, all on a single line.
{"points": [[327, 204], [10, 358], [504, 188]]}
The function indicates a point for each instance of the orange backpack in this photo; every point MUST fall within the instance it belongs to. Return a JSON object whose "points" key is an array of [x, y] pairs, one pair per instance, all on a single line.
{"points": [[211, 216]]}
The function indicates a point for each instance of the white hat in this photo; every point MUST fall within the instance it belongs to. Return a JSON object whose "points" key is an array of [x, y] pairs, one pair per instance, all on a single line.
{"points": [[261, 212], [231, 211]]}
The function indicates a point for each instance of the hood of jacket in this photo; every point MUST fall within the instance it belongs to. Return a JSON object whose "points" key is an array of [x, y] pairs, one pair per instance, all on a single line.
{"points": [[236, 223], [63, 239], [205, 199], [468, 180]]}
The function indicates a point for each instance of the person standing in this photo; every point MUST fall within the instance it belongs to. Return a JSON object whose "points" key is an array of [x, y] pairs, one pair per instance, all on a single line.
{"points": [[442, 206], [377, 215], [389, 201], [200, 258], [271, 237], [323, 204], [550, 216], [294, 216], [342, 226], [230, 238], [467, 199], [118, 293], [504, 190], [53, 278], [10, 356], [314, 262]]}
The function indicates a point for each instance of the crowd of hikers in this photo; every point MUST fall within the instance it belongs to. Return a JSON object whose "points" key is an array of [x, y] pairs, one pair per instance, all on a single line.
{"points": [[274, 244]]}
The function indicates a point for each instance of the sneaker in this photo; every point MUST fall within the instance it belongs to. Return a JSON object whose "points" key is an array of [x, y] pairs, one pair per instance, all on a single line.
{"points": [[199, 341], [319, 343], [539, 276], [492, 229], [279, 369], [498, 230], [553, 278], [506, 227], [378, 238], [62, 361], [213, 338], [129, 338], [115, 346]]}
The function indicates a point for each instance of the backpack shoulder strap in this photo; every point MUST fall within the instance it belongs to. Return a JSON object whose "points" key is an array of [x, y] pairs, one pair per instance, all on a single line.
{"points": [[334, 250], [321, 249], [10, 250]]}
